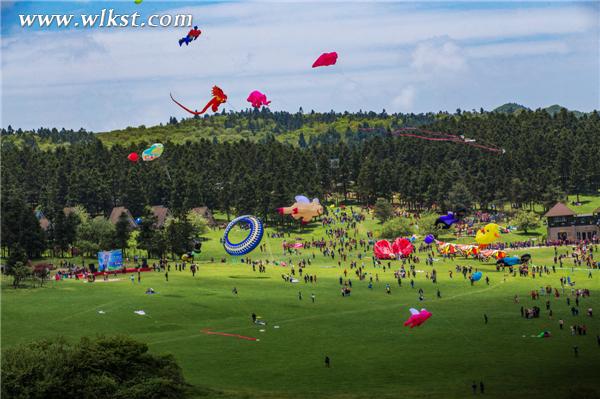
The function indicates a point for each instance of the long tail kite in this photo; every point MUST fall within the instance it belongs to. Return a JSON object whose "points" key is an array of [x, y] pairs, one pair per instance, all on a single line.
{"points": [[429, 135], [207, 331], [219, 97]]}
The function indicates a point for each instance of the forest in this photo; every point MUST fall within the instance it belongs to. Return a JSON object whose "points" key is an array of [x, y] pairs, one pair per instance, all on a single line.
{"points": [[347, 156]]}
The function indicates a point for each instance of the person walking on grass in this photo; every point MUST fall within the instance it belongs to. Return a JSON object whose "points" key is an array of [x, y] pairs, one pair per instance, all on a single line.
{"points": [[327, 362], [312, 297], [167, 276], [299, 295], [485, 317], [474, 387], [481, 387]]}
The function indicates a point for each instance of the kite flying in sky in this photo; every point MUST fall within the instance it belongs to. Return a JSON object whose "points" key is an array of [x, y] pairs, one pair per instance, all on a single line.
{"points": [[218, 98], [258, 99], [429, 135], [325, 59], [193, 34]]}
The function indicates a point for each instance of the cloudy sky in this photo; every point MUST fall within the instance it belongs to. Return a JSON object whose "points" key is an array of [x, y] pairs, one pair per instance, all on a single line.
{"points": [[398, 56]]}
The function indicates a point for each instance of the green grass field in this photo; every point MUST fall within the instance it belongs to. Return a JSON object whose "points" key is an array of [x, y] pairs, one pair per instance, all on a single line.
{"points": [[373, 355]]}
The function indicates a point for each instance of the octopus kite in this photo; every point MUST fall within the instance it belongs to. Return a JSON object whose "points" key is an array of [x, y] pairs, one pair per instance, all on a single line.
{"points": [[219, 97]]}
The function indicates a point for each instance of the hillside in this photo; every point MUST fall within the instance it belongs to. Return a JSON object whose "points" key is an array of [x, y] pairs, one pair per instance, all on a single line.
{"points": [[298, 129]]}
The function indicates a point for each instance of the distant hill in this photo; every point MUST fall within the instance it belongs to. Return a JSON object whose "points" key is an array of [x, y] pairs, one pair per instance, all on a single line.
{"points": [[513, 108], [554, 109], [510, 108]]}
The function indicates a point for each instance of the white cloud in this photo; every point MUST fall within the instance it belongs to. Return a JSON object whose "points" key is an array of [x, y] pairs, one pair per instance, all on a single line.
{"points": [[404, 102], [519, 49], [438, 57]]}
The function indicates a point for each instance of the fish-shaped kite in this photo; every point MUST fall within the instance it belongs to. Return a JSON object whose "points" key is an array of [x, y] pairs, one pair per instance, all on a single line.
{"points": [[219, 97], [303, 209], [325, 59]]}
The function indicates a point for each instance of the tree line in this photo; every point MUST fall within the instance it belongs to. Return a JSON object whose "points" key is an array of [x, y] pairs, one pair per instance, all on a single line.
{"points": [[546, 156]]}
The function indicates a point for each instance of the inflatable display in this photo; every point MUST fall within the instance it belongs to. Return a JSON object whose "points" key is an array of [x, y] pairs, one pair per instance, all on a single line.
{"points": [[417, 317], [383, 250], [303, 209], [488, 234], [248, 244], [476, 276]]}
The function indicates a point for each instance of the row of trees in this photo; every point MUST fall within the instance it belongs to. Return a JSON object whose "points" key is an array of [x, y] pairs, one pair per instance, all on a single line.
{"points": [[546, 156], [78, 232]]}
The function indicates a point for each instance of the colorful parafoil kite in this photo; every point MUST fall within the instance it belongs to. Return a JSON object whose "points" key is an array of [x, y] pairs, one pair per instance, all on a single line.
{"points": [[248, 244], [303, 209], [417, 318], [219, 97], [495, 253], [429, 239], [325, 59], [258, 99], [133, 157], [193, 34], [155, 151], [476, 276], [488, 234]]}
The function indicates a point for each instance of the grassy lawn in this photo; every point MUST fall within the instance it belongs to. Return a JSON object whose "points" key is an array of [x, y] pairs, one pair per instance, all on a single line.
{"points": [[373, 355]]}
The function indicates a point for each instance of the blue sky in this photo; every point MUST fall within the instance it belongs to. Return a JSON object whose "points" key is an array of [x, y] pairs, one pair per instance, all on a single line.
{"points": [[401, 56]]}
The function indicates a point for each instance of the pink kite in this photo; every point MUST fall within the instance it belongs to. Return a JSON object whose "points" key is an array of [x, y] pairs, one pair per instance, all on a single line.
{"points": [[325, 59], [383, 250], [417, 318], [257, 99], [402, 246]]}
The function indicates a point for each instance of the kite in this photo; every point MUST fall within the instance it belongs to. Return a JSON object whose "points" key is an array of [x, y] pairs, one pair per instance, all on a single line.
{"points": [[476, 276], [488, 234], [133, 157], [208, 332], [429, 239], [193, 34], [429, 135], [138, 220], [417, 318], [383, 250], [154, 152], [325, 59], [258, 99], [513, 260], [446, 221], [219, 97], [249, 243], [303, 209], [402, 246]]}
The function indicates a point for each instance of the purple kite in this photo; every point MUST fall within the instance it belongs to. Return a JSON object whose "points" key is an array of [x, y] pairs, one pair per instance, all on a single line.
{"points": [[258, 99], [325, 59]]}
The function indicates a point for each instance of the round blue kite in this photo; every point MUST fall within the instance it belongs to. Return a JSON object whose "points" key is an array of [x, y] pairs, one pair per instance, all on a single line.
{"points": [[247, 244], [477, 276]]}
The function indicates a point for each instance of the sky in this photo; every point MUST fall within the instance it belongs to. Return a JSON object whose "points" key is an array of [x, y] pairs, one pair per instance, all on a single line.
{"points": [[398, 56]]}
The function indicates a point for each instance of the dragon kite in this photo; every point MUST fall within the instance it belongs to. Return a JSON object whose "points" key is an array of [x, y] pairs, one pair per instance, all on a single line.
{"points": [[219, 97]]}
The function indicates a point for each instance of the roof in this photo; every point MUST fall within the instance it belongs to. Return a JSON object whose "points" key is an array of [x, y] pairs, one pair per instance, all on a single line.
{"points": [[161, 214], [559, 209], [205, 212], [116, 212]]}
